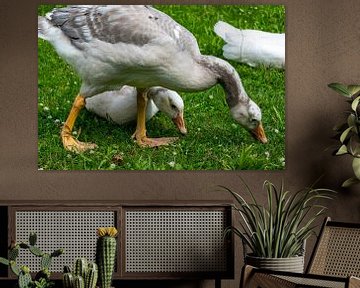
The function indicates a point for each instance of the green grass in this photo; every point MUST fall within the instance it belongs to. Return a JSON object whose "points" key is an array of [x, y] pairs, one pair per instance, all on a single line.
{"points": [[214, 140]]}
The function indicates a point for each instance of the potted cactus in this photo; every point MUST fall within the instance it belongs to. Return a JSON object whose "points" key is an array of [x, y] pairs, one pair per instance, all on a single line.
{"points": [[42, 278], [106, 254], [84, 275]]}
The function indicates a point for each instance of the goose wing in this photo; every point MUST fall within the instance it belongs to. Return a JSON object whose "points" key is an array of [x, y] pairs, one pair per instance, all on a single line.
{"points": [[130, 24]]}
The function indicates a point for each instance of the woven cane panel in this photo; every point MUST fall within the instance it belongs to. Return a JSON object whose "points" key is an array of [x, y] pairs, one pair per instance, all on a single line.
{"points": [[74, 231], [175, 241], [308, 282], [338, 253], [268, 280]]}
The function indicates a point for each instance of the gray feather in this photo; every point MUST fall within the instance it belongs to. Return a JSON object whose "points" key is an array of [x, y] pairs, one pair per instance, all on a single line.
{"points": [[131, 24]]}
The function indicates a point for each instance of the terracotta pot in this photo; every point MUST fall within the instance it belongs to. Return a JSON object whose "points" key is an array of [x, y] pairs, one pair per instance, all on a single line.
{"points": [[291, 264]]}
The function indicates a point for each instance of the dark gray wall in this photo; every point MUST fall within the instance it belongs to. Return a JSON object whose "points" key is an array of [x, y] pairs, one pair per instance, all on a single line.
{"points": [[323, 40]]}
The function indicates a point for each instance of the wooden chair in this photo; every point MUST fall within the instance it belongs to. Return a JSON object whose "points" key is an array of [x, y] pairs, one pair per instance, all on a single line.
{"points": [[335, 262]]}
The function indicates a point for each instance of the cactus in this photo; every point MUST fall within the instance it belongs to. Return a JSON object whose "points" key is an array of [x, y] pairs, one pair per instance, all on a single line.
{"points": [[105, 254], [67, 269], [43, 274], [24, 280], [36, 251], [79, 282], [45, 261], [13, 253], [80, 268], [87, 272], [32, 239], [4, 261], [68, 280], [23, 273], [91, 276], [24, 246], [14, 268], [57, 253]]}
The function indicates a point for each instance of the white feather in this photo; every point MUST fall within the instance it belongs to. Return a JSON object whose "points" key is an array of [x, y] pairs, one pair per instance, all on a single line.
{"points": [[177, 32], [252, 47]]}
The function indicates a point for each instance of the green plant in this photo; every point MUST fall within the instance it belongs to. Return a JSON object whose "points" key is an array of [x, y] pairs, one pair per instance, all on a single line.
{"points": [[105, 254], [349, 132], [43, 283], [85, 275], [42, 278], [279, 229]]}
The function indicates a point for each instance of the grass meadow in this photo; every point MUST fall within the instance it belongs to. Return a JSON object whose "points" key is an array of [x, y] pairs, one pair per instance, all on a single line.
{"points": [[214, 140]]}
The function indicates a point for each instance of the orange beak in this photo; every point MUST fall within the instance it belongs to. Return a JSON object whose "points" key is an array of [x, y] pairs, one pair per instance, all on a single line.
{"points": [[180, 123], [259, 133]]}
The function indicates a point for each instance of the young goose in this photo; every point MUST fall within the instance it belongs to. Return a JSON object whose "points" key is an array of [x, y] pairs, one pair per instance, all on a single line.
{"points": [[114, 45], [120, 106]]}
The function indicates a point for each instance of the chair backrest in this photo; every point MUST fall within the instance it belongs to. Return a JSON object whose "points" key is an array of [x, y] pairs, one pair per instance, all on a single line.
{"points": [[337, 251]]}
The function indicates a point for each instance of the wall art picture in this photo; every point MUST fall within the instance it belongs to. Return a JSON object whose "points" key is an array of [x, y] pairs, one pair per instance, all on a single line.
{"points": [[161, 87]]}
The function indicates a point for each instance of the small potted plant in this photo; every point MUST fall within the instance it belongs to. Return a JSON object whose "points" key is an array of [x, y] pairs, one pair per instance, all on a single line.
{"points": [[87, 274], [106, 254], [42, 278], [349, 132], [84, 274], [275, 234]]}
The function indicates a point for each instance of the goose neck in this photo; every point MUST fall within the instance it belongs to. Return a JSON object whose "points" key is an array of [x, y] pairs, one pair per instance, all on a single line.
{"points": [[228, 78]]}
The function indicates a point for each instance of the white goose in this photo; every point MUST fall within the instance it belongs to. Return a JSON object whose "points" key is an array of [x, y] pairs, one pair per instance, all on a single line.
{"points": [[120, 106], [252, 47], [115, 45]]}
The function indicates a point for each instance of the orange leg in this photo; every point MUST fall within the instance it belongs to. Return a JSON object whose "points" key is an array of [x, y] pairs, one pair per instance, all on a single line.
{"points": [[69, 142], [140, 133]]}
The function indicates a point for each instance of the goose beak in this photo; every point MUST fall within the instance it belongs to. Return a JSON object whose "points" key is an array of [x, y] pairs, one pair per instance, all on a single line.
{"points": [[259, 133], [180, 123]]}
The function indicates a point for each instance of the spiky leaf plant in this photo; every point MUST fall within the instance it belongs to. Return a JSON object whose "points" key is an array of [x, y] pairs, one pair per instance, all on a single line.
{"points": [[279, 229], [349, 132]]}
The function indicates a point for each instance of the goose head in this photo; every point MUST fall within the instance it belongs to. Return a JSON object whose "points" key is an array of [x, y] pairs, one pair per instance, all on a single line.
{"points": [[244, 110], [249, 116], [171, 104]]}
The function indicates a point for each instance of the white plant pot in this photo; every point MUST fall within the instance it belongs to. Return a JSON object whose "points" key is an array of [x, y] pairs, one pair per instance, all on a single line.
{"points": [[291, 264]]}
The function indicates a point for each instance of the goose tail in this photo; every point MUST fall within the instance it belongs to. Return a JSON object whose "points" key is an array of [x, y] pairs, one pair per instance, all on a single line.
{"points": [[233, 38], [45, 28], [225, 30]]}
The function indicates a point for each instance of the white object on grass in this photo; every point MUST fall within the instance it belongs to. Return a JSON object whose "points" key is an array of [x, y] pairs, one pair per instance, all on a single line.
{"points": [[252, 47], [120, 106]]}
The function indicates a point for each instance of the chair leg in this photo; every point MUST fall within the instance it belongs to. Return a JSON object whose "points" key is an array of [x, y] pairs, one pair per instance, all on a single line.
{"points": [[217, 283]]}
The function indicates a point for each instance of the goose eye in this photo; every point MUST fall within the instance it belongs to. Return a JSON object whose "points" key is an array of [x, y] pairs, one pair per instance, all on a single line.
{"points": [[173, 107]]}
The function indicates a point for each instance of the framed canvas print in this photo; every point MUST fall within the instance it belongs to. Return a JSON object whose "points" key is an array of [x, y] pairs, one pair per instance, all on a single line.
{"points": [[162, 87]]}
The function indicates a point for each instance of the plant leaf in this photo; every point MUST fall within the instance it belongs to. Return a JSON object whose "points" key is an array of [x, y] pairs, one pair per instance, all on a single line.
{"points": [[353, 89], [345, 134], [354, 145], [351, 120], [14, 268], [340, 88], [342, 150], [279, 228], [349, 182], [4, 261], [356, 167], [355, 103]]}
